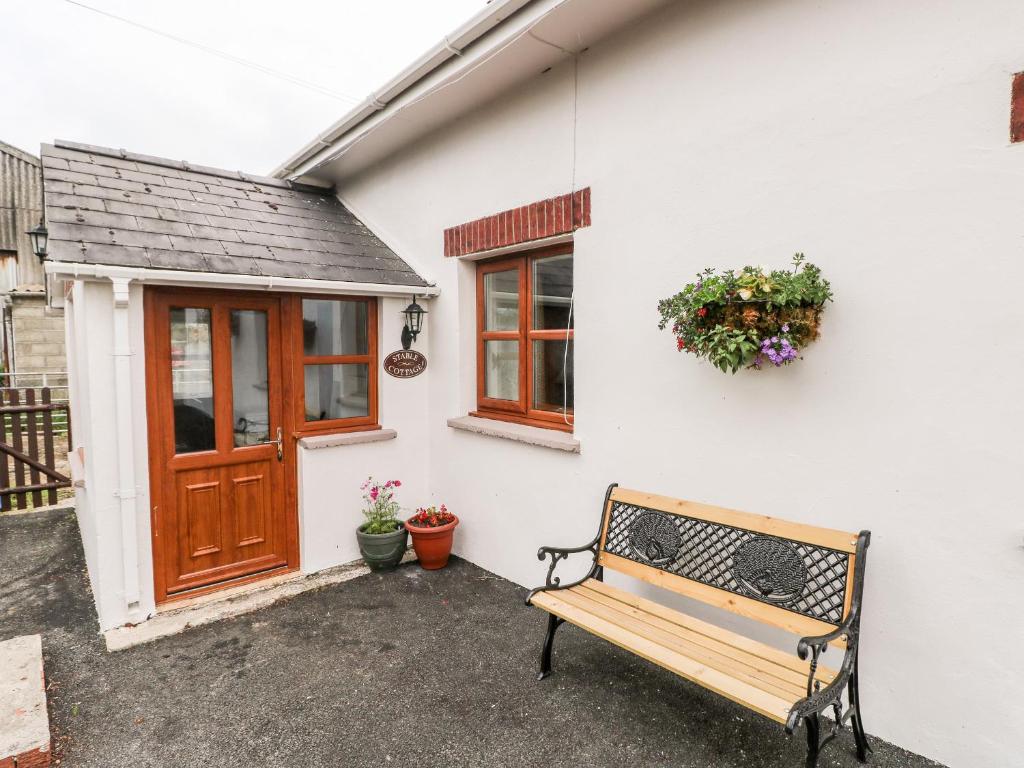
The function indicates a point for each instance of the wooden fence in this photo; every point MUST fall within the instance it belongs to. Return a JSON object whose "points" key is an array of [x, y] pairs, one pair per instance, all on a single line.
{"points": [[32, 426]]}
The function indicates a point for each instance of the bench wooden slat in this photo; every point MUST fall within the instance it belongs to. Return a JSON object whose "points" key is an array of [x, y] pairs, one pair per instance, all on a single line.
{"points": [[730, 601], [841, 541], [744, 693], [767, 677], [789, 666]]}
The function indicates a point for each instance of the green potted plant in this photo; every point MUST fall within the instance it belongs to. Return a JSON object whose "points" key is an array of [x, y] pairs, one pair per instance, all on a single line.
{"points": [[748, 317], [382, 538], [432, 530]]}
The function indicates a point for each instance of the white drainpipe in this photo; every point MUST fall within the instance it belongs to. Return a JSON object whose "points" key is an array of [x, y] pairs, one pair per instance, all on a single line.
{"points": [[126, 487]]}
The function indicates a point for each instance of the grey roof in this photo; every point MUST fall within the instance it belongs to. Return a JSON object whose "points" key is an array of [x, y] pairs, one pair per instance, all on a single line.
{"points": [[108, 206]]}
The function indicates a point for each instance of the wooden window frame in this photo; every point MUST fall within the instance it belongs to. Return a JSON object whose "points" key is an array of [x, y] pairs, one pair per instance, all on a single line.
{"points": [[519, 411], [293, 320]]}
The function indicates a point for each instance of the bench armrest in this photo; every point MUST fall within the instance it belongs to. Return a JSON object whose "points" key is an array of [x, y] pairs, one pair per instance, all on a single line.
{"points": [[558, 554], [816, 645]]}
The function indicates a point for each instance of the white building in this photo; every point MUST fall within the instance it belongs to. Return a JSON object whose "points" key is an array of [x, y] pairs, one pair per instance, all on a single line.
{"points": [[663, 138]]}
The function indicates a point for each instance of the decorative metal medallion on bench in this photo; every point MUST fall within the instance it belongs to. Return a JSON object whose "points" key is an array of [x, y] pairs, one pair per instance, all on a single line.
{"points": [[801, 578]]}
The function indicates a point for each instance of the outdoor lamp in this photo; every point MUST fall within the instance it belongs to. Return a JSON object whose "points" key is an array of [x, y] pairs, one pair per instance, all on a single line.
{"points": [[38, 237], [413, 323]]}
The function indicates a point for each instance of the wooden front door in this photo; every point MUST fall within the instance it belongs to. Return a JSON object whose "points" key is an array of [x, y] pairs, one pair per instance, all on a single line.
{"points": [[218, 462]]}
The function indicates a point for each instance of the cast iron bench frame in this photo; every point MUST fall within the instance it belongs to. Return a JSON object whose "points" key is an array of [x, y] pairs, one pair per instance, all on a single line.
{"points": [[801, 578]]}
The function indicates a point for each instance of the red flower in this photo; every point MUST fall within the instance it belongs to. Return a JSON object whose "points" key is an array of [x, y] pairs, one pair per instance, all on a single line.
{"points": [[680, 344], [702, 312]]}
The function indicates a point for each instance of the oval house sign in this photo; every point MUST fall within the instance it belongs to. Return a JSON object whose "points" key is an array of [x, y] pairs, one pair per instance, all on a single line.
{"points": [[405, 363]]}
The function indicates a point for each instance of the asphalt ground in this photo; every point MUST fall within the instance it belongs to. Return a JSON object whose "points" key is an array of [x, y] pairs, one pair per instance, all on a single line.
{"points": [[408, 668]]}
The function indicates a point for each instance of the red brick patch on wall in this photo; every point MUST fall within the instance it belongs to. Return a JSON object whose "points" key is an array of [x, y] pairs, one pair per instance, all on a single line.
{"points": [[34, 758], [1017, 108], [547, 218]]}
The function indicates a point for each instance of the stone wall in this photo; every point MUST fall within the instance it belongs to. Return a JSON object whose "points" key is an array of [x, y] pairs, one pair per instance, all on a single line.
{"points": [[38, 333]]}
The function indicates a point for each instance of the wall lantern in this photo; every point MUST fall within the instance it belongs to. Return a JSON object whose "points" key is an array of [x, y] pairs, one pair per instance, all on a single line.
{"points": [[38, 237], [413, 323]]}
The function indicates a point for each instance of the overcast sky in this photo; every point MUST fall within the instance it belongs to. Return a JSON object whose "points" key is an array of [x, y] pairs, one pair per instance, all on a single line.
{"points": [[71, 73]]}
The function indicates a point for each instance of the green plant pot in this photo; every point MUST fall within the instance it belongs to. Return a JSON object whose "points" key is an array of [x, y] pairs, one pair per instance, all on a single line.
{"points": [[382, 551]]}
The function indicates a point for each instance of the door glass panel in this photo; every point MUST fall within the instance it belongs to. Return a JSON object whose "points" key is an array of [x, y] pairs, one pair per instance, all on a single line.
{"points": [[501, 301], [334, 327], [249, 394], [552, 292], [192, 380], [553, 381], [337, 391], [501, 369]]}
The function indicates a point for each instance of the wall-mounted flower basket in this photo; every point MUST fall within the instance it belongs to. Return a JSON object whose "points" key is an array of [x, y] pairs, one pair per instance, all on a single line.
{"points": [[750, 317]]}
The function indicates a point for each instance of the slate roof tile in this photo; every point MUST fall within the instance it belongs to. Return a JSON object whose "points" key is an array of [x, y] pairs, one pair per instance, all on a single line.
{"points": [[59, 187], [108, 206], [248, 250], [217, 233], [274, 268], [190, 262], [117, 255], [217, 263], [188, 217], [123, 206]]}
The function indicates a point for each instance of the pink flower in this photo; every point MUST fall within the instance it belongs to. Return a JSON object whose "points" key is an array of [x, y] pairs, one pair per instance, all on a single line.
{"points": [[396, 483], [373, 493]]}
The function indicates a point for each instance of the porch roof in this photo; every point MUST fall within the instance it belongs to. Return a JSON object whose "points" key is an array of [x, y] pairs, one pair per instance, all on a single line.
{"points": [[117, 208]]}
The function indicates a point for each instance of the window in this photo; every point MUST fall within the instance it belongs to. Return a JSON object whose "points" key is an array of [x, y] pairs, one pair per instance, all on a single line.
{"points": [[336, 348], [525, 338]]}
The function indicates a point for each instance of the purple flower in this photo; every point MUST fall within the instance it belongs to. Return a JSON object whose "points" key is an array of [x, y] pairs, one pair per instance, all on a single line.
{"points": [[785, 328]]}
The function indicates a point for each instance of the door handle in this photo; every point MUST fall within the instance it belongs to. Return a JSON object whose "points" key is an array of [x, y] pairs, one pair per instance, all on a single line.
{"points": [[279, 442]]}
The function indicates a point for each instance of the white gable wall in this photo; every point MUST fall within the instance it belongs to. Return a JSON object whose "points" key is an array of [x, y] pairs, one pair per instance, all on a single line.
{"points": [[873, 137]]}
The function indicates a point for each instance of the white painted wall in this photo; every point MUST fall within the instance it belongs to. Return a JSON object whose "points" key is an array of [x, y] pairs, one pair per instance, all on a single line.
{"points": [[90, 329], [330, 502], [873, 137]]}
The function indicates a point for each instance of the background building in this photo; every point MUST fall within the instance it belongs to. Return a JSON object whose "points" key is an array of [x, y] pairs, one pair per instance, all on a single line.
{"points": [[32, 337]]}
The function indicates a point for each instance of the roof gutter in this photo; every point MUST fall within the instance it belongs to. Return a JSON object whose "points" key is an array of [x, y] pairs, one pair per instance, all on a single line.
{"points": [[64, 270], [450, 46]]}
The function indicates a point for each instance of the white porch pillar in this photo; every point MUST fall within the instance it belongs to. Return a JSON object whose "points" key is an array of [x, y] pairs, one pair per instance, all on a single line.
{"points": [[126, 491]]}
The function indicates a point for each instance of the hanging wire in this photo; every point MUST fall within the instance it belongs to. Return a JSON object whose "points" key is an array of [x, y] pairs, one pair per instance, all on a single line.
{"points": [[285, 76], [572, 223]]}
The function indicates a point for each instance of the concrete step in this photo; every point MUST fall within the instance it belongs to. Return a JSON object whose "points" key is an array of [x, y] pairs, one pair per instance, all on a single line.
{"points": [[24, 723]]}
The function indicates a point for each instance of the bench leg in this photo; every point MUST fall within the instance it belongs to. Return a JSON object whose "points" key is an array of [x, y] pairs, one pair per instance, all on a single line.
{"points": [[813, 740], [554, 622], [856, 721]]}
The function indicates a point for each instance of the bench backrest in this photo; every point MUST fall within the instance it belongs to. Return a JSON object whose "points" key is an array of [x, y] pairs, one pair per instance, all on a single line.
{"points": [[794, 576]]}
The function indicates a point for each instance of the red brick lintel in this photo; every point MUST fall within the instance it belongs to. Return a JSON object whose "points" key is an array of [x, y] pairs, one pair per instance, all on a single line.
{"points": [[547, 218], [1017, 108]]}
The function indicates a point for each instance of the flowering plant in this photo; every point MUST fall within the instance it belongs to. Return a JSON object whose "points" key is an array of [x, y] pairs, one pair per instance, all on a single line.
{"points": [[432, 517], [381, 511], [748, 317]]}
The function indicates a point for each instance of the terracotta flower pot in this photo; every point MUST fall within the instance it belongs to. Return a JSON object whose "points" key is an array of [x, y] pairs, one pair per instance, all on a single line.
{"points": [[432, 545]]}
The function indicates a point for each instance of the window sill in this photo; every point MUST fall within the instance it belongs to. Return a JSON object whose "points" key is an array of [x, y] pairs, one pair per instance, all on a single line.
{"points": [[312, 442], [520, 433]]}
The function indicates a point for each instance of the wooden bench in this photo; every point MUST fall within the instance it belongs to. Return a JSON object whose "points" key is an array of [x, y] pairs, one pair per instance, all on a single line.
{"points": [[800, 578]]}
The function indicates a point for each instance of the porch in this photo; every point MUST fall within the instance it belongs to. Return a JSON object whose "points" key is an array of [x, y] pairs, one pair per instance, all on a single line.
{"points": [[406, 668]]}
